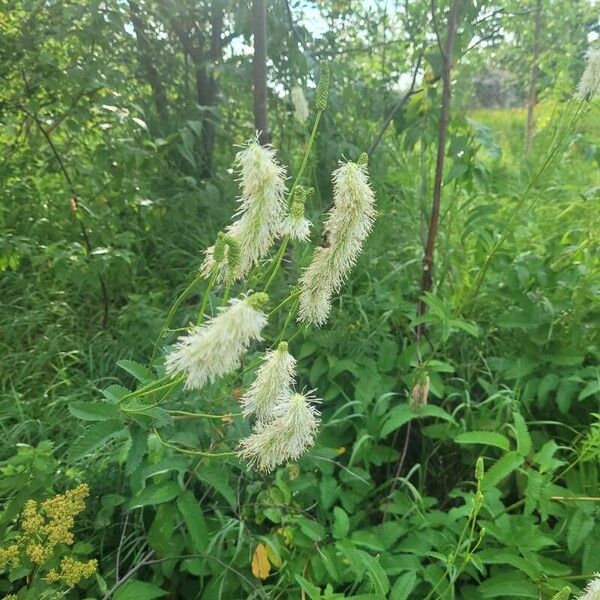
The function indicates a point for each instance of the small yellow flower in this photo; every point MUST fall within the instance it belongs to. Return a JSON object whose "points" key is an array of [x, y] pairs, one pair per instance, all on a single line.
{"points": [[73, 571], [9, 556], [37, 553]]}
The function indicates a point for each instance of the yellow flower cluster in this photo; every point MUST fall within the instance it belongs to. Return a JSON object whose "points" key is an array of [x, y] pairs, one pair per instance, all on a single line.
{"points": [[44, 527], [9, 556], [72, 571], [53, 520]]}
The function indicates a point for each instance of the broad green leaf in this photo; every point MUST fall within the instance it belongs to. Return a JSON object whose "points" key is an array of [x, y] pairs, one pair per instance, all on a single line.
{"points": [[523, 437], [403, 586], [376, 573], [94, 411], [193, 518], [508, 585], [341, 523], [138, 590], [501, 469], [95, 437], [591, 388], [155, 494], [139, 371], [402, 414], [314, 593], [580, 527], [488, 438]]}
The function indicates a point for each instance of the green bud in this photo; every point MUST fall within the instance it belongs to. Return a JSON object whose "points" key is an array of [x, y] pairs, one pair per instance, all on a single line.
{"points": [[482, 533], [323, 87], [283, 347], [234, 253], [363, 159], [219, 248], [479, 469], [478, 501], [564, 594], [258, 300]]}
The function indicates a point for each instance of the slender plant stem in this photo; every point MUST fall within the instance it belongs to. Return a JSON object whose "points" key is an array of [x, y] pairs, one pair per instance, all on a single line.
{"points": [[193, 452], [191, 415], [211, 284], [153, 390], [188, 290]]}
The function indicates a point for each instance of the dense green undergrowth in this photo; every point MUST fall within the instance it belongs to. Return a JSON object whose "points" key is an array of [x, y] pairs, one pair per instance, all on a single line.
{"points": [[392, 501]]}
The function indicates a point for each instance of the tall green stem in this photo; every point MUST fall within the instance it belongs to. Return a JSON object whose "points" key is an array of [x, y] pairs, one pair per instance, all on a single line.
{"points": [[284, 244]]}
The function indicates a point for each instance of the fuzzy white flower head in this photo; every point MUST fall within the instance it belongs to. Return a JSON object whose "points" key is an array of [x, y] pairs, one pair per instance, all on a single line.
{"points": [[346, 228], [589, 86], [592, 591], [215, 348], [284, 438], [261, 209], [300, 104], [295, 224], [274, 381]]}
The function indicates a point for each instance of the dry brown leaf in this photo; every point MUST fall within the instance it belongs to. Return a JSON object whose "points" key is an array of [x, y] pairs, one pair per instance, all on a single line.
{"points": [[260, 562]]}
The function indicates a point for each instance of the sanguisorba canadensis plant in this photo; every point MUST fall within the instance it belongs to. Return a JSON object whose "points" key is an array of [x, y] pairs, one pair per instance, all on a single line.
{"points": [[237, 273]]}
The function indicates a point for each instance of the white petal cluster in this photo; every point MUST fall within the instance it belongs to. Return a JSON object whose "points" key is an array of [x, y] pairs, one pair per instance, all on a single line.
{"points": [[298, 228], [592, 591], [589, 86], [347, 226], [286, 437], [215, 348], [273, 384], [300, 104], [261, 209]]}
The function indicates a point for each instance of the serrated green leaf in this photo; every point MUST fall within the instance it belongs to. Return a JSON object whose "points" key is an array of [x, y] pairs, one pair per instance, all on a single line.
{"points": [[501, 469], [487, 438], [403, 586], [138, 590], [155, 494], [402, 414], [580, 526], [376, 573], [190, 510], [314, 593], [93, 411], [564, 594], [508, 585], [114, 393], [94, 437], [137, 449], [139, 371], [523, 437]]}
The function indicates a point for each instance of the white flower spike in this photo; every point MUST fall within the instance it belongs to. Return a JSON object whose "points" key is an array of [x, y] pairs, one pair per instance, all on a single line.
{"points": [[274, 381], [347, 226], [284, 438], [592, 591], [589, 86], [261, 209], [215, 348]]}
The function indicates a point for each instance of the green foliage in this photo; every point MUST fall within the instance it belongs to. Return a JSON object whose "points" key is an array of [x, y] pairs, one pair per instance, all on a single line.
{"points": [[486, 489]]}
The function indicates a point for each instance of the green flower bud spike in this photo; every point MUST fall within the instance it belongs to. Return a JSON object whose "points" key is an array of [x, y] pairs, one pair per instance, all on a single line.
{"points": [[479, 469], [220, 247], [363, 159], [323, 87]]}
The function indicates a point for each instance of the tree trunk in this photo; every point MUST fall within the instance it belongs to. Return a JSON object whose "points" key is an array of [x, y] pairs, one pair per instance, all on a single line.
{"points": [[260, 71], [428, 257], [533, 77], [147, 64]]}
